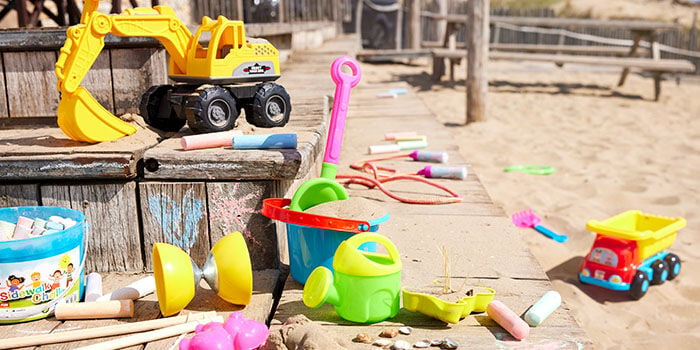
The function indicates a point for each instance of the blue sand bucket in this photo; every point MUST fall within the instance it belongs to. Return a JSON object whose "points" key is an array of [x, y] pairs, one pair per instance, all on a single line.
{"points": [[311, 247], [41, 271]]}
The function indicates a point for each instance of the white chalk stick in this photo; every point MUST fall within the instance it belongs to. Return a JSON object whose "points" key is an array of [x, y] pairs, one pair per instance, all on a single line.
{"points": [[375, 149], [93, 287], [133, 291], [544, 307], [7, 229]]}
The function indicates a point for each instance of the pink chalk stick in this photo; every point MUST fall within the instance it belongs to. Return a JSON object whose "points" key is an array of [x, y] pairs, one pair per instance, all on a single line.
{"points": [[390, 136], [210, 140], [24, 221], [508, 319], [21, 232]]}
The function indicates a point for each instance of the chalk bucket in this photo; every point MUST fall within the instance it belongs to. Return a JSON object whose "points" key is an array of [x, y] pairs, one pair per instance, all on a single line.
{"points": [[41, 271], [312, 239]]}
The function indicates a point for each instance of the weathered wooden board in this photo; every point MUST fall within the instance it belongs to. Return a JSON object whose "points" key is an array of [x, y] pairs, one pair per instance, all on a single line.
{"points": [[134, 71], [264, 284], [175, 213], [3, 99], [169, 161], [114, 242], [235, 206], [32, 152], [30, 75], [19, 195]]}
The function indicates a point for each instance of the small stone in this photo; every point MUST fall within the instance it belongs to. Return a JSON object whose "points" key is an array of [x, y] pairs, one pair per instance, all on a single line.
{"points": [[363, 338], [401, 345], [421, 344], [382, 342], [389, 333], [436, 342], [405, 330], [449, 344]]}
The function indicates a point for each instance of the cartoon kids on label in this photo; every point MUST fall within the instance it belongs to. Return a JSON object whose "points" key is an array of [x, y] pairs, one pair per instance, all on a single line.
{"points": [[69, 274], [36, 279], [15, 283], [56, 278]]}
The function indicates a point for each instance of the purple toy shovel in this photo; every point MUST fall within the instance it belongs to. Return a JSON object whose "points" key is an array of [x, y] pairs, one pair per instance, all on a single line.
{"points": [[526, 218]]}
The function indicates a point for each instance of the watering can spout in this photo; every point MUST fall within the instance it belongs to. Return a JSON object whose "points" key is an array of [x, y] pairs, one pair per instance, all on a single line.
{"points": [[320, 288]]}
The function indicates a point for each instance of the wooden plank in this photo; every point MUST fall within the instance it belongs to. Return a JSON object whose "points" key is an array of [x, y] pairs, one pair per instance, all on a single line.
{"points": [[19, 195], [74, 166], [31, 152], [584, 49], [264, 284], [31, 74], [175, 213], [169, 161], [667, 65], [3, 99], [134, 71], [235, 206], [114, 242]]}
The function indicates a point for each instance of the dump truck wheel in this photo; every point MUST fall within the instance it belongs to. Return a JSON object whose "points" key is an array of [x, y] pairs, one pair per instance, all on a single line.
{"points": [[660, 269], [157, 111], [271, 106], [214, 110], [674, 265], [639, 285]]}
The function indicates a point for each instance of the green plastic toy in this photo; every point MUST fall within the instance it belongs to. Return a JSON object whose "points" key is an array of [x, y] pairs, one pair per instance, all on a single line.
{"points": [[364, 286]]}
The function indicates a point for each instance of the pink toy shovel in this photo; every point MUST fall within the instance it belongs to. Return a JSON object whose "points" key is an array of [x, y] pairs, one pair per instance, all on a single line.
{"points": [[526, 218], [324, 189]]}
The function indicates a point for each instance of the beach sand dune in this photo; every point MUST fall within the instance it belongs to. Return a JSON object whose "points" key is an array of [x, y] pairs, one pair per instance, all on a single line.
{"points": [[614, 149]]}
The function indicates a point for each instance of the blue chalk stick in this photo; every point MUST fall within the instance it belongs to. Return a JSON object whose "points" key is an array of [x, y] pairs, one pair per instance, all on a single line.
{"points": [[264, 141]]}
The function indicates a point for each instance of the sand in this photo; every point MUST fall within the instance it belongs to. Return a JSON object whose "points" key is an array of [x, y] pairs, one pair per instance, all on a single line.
{"points": [[613, 149]]}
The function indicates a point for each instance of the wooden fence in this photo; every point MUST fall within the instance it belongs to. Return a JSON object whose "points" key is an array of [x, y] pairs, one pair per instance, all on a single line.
{"points": [[266, 11]]}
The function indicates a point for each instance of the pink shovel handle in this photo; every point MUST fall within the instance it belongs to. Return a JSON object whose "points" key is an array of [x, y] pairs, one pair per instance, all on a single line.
{"points": [[343, 83]]}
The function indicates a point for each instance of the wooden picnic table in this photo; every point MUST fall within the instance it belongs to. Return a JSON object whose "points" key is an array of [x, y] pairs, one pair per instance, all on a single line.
{"points": [[639, 29]]}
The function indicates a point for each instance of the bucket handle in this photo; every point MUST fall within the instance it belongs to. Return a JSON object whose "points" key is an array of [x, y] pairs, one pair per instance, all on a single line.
{"points": [[273, 208]]}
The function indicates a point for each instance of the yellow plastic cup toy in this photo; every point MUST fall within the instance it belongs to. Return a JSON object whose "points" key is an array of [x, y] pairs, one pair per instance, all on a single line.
{"points": [[227, 271], [364, 286]]}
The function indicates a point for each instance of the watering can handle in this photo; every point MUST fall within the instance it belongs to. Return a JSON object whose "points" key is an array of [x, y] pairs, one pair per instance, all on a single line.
{"points": [[358, 240], [343, 83]]}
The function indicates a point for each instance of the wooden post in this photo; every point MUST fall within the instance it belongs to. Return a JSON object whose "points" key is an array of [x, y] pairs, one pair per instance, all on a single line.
{"points": [[414, 31], [477, 59]]}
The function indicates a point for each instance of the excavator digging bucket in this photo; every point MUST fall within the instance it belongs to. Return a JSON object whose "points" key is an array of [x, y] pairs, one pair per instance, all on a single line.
{"points": [[82, 118]]}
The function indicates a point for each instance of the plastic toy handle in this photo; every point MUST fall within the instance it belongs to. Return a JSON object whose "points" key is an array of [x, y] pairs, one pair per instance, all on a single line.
{"points": [[359, 240], [343, 83], [551, 234], [273, 208]]}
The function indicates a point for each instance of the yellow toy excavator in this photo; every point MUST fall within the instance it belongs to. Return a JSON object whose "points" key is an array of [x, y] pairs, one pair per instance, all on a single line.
{"points": [[218, 72]]}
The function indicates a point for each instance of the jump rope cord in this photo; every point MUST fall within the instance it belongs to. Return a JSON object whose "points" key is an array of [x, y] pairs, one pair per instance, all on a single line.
{"points": [[377, 180]]}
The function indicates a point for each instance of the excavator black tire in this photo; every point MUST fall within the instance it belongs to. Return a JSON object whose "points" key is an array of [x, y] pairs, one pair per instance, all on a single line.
{"points": [[214, 110], [157, 112], [271, 107]]}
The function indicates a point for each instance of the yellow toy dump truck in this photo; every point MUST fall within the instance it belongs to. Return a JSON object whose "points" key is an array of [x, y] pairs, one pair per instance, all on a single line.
{"points": [[218, 72], [629, 252]]}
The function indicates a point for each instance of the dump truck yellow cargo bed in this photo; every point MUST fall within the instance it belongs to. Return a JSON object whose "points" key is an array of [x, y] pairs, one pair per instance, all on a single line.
{"points": [[653, 233]]}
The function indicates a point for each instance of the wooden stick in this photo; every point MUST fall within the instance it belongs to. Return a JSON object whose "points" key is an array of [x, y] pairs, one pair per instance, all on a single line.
{"points": [[146, 337], [99, 332]]}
